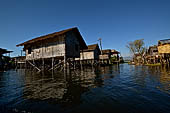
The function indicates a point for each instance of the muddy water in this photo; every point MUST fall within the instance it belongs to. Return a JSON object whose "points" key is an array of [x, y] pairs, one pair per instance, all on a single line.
{"points": [[113, 89]]}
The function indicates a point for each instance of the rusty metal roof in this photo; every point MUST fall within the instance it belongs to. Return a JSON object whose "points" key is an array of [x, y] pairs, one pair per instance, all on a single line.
{"points": [[106, 51], [92, 47], [54, 35], [166, 41]]}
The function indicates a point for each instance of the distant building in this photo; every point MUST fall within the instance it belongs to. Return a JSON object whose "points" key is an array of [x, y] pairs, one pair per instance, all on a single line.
{"points": [[164, 50], [3, 62], [90, 55], [152, 55], [109, 56]]}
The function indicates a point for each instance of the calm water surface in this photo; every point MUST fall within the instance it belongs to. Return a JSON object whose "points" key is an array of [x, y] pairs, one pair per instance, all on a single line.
{"points": [[113, 89]]}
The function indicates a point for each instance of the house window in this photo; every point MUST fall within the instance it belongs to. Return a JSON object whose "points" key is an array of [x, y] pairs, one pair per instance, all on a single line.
{"points": [[29, 50], [155, 50]]}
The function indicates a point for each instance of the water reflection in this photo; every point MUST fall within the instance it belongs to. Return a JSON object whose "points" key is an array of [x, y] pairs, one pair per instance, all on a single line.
{"points": [[120, 88]]}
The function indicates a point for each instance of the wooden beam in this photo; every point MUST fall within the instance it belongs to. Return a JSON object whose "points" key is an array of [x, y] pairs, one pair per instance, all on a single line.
{"points": [[34, 65]]}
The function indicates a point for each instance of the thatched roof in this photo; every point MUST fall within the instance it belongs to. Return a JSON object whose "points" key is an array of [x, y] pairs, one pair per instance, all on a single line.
{"points": [[54, 35], [166, 41]]}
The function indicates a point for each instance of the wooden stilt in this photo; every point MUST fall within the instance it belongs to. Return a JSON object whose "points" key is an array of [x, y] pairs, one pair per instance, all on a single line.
{"points": [[52, 63], [65, 62], [43, 63], [34, 66]]}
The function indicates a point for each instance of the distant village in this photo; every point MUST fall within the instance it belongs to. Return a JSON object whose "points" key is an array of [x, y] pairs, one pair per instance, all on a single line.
{"points": [[67, 50], [58, 51], [155, 55]]}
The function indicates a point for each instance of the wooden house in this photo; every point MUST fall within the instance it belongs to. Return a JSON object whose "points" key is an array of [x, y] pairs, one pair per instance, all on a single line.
{"points": [[2, 62], [153, 50], [152, 55], [90, 55], [164, 50], [105, 54], [59, 45], [164, 46], [115, 56], [109, 56]]}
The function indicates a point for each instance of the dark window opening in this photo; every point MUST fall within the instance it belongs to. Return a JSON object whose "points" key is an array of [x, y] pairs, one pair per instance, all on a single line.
{"points": [[29, 50], [155, 50]]}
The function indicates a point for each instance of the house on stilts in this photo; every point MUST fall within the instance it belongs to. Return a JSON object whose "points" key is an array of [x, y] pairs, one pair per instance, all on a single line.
{"points": [[152, 55], [54, 50], [90, 56], [4, 60], [164, 51], [109, 56]]}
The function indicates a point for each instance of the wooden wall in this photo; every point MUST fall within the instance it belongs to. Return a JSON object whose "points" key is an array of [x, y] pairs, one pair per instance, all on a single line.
{"points": [[67, 44], [72, 46], [164, 48], [46, 50], [86, 56], [105, 56]]}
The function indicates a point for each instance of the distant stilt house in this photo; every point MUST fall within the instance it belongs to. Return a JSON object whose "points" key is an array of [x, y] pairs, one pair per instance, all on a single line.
{"points": [[152, 55], [109, 56], [90, 55], [59, 47], [19, 61], [164, 50], [115, 56], [4, 60]]}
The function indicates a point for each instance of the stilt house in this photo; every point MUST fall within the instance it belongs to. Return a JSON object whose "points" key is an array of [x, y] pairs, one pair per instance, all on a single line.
{"points": [[164, 50], [66, 43], [92, 53], [3, 51], [107, 54], [152, 55], [54, 50]]}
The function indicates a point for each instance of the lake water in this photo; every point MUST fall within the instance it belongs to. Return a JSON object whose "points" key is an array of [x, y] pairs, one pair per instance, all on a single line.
{"points": [[113, 89]]}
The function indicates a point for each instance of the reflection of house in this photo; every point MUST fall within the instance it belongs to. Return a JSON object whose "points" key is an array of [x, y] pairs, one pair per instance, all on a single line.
{"points": [[90, 55], [59, 45], [164, 50]]}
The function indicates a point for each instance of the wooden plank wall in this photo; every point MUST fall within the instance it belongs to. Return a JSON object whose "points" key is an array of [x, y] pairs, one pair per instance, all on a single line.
{"points": [[46, 50], [164, 48]]}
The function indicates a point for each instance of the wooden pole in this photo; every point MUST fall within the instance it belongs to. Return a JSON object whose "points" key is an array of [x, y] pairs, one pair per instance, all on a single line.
{"points": [[43, 63], [100, 39], [65, 62], [52, 63]]}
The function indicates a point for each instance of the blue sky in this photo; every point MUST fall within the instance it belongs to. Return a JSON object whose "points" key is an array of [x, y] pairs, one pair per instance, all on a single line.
{"points": [[115, 21]]}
